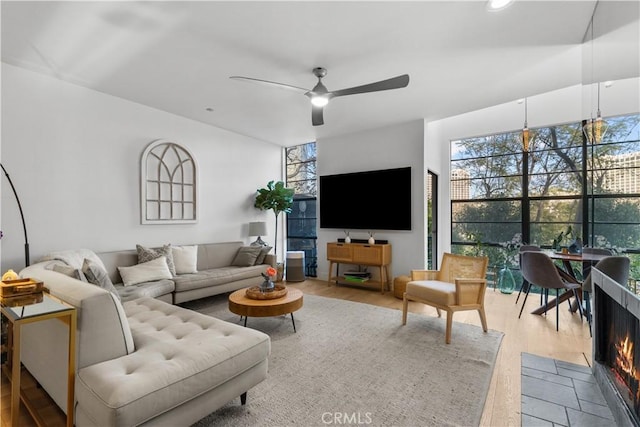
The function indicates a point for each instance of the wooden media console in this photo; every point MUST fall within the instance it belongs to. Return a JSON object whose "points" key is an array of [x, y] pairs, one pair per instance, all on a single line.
{"points": [[377, 255]]}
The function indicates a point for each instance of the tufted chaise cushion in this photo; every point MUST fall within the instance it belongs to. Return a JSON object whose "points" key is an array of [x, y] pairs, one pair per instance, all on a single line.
{"points": [[179, 354]]}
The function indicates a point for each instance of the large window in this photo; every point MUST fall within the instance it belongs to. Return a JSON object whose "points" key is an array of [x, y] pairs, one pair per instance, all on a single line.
{"points": [[564, 188], [301, 222]]}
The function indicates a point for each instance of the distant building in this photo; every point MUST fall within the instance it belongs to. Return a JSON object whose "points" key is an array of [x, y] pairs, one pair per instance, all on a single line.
{"points": [[623, 174], [460, 184]]}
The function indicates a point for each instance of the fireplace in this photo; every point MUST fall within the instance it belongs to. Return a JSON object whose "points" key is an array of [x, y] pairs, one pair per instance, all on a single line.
{"points": [[616, 347]]}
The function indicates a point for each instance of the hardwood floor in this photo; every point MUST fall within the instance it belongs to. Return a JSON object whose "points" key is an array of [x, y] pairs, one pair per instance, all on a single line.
{"points": [[531, 334]]}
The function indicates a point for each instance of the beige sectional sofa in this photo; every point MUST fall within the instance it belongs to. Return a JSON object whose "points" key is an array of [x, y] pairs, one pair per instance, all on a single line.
{"points": [[145, 361], [215, 274]]}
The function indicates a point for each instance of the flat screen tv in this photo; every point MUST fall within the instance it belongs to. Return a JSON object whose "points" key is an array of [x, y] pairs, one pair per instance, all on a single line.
{"points": [[371, 200]]}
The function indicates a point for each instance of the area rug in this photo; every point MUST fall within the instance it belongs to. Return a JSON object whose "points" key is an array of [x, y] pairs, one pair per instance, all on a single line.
{"points": [[355, 364]]}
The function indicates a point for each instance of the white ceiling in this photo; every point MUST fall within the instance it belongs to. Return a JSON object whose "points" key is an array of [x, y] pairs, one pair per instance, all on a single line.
{"points": [[178, 56]]}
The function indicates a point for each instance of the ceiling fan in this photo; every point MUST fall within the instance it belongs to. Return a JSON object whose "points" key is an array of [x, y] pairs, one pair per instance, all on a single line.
{"points": [[320, 95]]}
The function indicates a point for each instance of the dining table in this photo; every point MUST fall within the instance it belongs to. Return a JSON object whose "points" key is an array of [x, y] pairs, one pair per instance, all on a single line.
{"points": [[567, 273]]}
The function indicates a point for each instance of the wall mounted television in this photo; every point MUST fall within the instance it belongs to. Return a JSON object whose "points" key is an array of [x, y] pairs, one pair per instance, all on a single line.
{"points": [[371, 200]]}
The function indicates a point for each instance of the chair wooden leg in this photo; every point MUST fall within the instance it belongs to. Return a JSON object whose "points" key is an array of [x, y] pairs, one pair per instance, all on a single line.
{"points": [[523, 286], [483, 319], [557, 308], [578, 302], [524, 302], [405, 306], [588, 311], [447, 334]]}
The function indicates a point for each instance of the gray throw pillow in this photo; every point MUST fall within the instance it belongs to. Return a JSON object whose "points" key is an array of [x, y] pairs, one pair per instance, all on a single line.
{"points": [[149, 254], [246, 256], [67, 270], [264, 250], [96, 275]]}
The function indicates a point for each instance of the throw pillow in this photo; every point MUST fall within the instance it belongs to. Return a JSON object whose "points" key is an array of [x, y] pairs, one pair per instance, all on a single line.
{"points": [[148, 254], [185, 259], [149, 271], [264, 250], [67, 270], [98, 276], [246, 256]]}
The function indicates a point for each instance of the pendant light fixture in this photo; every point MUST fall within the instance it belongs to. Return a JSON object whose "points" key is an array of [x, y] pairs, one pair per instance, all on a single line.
{"points": [[525, 129], [594, 130]]}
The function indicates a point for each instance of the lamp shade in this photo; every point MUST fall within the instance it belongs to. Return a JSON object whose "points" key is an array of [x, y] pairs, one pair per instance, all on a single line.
{"points": [[258, 228]]}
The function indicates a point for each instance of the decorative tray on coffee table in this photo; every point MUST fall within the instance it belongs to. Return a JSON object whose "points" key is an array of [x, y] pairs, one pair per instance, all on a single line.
{"points": [[255, 292]]}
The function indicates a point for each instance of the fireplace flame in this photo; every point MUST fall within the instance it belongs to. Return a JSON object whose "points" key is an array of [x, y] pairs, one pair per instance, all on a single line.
{"points": [[624, 363], [624, 357]]}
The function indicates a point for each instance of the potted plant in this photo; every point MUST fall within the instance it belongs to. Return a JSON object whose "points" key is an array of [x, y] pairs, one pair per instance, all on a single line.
{"points": [[275, 197]]}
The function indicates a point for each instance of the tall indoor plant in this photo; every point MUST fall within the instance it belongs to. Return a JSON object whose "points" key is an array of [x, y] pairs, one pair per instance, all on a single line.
{"points": [[275, 197]]}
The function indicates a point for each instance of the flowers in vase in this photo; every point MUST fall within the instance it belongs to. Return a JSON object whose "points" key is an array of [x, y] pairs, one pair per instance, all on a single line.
{"points": [[269, 274]]}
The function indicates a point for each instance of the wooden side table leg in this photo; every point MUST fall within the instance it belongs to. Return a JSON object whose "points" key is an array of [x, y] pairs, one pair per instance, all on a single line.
{"points": [[330, 270], [71, 379], [15, 376]]}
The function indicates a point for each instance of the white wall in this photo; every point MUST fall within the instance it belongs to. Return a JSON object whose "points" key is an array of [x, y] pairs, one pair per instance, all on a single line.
{"points": [[560, 106], [385, 148], [73, 155]]}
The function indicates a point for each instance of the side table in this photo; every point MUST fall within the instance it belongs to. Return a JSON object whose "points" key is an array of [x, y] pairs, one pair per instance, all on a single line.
{"points": [[49, 308]]}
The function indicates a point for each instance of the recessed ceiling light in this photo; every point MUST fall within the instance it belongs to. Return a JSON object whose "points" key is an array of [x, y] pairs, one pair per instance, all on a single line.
{"points": [[498, 4], [209, 109]]}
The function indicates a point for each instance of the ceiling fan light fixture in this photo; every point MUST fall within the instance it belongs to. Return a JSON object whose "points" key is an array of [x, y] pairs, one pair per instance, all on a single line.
{"points": [[495, 5], [320, 100]]}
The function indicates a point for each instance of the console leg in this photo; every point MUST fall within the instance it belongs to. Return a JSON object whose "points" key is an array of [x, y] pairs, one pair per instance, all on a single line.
{"points": [[243, 398]]}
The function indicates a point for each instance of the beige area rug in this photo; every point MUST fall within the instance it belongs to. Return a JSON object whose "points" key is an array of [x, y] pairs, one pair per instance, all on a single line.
{"points": [[355, 364]]}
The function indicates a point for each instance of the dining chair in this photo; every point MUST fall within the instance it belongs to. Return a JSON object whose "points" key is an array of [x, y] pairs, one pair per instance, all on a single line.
{"points": [[538, 269], [615, 267], [460, 284], [586, 266], [525, 284]]}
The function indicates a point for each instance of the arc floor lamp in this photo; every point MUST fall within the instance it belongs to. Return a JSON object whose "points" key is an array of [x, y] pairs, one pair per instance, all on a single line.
{"points": [[24, 225]]}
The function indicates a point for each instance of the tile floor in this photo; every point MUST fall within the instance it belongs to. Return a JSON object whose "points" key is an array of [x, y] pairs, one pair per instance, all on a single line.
{"points": [[556, 393]]}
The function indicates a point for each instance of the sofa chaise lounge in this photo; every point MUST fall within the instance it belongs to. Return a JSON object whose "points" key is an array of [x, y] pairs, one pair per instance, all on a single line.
{"points": [[142, 361]]}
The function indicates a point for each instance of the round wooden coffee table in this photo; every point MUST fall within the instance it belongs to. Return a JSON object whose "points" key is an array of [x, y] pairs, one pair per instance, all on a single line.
{"points": [[245, 307]]}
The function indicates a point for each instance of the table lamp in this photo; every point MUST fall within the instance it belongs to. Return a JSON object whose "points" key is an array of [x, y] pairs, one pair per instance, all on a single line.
{"points": [[258, 229]]}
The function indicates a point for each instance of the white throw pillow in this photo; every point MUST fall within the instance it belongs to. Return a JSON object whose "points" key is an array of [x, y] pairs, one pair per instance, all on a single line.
{"points": [[185, 258], [149, 271]]}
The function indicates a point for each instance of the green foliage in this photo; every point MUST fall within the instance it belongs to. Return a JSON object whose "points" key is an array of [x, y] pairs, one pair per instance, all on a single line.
{"points": [[560, 237], [275, 197]]}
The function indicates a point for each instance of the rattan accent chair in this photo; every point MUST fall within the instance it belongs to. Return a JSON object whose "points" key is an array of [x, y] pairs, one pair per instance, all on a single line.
{"points": [[459, 285]]}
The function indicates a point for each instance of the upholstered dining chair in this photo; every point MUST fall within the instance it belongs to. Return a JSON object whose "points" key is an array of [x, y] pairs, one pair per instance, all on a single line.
{"points": [[615, 267], [586, 266], [538, 269], [460, 284], [525, 248]]}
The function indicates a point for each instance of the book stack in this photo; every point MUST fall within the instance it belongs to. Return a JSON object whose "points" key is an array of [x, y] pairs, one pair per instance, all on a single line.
{"points": [[357, 276]]}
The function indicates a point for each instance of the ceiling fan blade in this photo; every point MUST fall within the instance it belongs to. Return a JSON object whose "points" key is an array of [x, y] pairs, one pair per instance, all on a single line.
{"points": [[392, 83], [268, 83], [316, 116]]}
